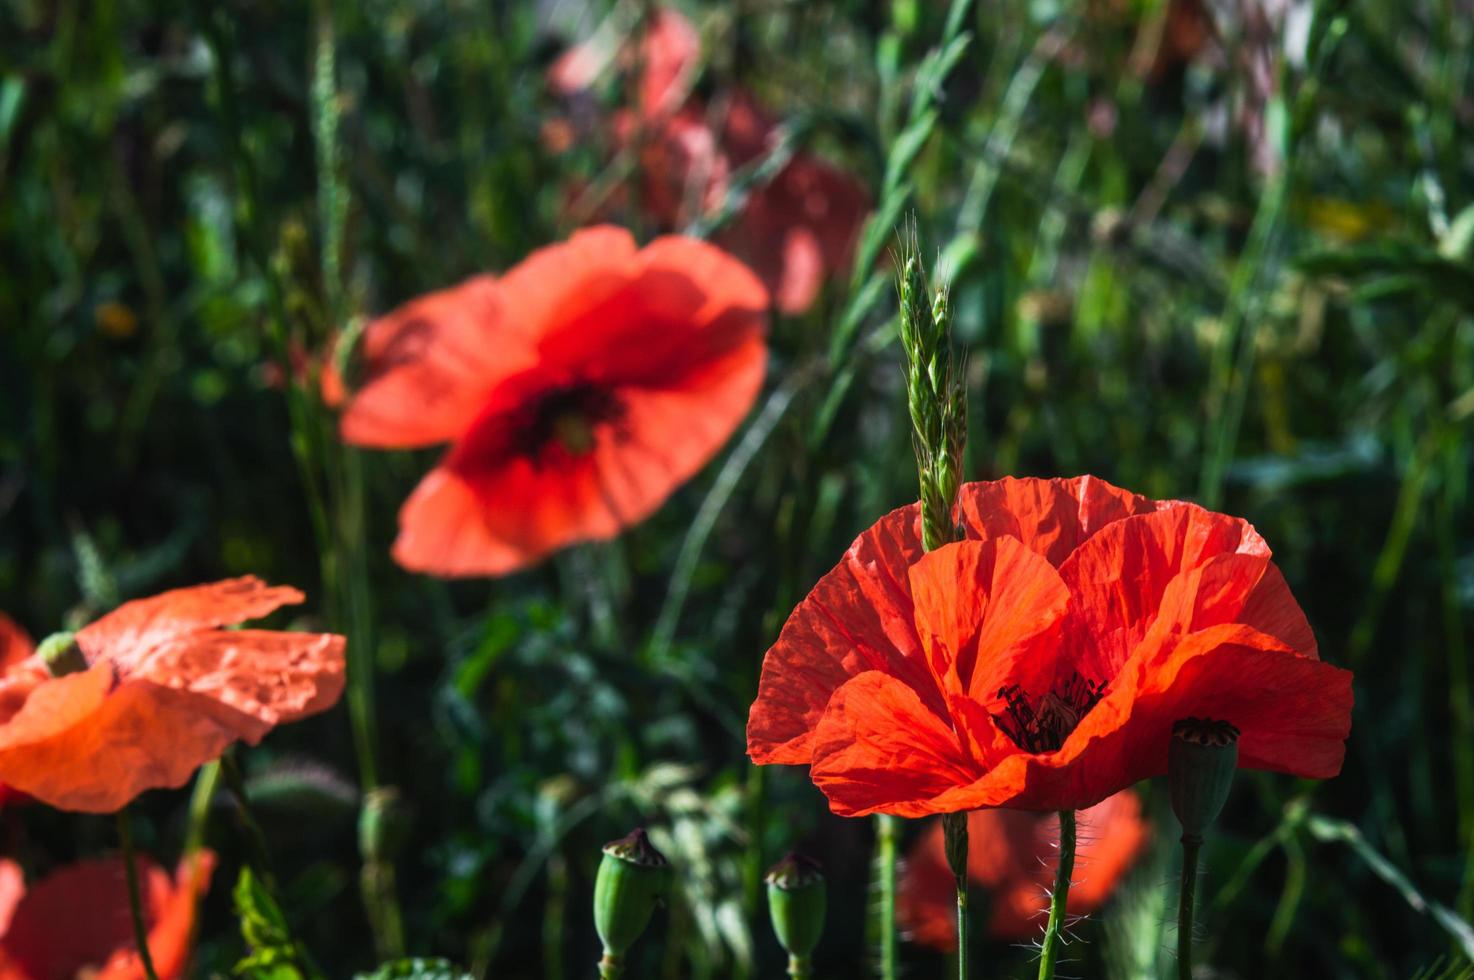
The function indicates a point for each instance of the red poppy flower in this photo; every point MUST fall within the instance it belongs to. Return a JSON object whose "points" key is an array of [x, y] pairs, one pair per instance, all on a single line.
{"points": [[1040, 663], [15, 646], [163, 691], [577, 392], [76, 922], [1013, 855], [796, 231]]}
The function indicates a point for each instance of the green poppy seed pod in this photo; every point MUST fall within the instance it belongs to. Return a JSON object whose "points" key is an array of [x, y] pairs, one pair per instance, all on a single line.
{"points": [[1201, 760], [796, 902], [383, 825], [61, 655], [632, 879]]}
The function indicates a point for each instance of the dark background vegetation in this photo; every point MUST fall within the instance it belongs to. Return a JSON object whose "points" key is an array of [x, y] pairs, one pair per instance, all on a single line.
{"points": [[1239, 274]]}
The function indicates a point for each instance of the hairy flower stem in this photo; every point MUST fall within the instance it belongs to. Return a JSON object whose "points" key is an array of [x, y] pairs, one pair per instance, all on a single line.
{"points": [[954, 830], [1190, 846], [135, 900], [1054, 931]]}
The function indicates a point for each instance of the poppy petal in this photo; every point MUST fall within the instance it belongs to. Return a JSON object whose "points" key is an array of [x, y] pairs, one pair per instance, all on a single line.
{"points": [[269, 675], [79, 748], [1293, 714], [1119, 575], [1236, 588], [654, 317], [878, 747], [1053, 517], [858, 617], [986, 613], [134, 628], [431, 362], [75, 922]]}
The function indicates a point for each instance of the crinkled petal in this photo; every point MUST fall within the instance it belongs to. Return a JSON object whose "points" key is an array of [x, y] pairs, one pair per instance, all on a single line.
{"points": [[270, 675], [880, 749], [987, 613], [1120, 574], [1236, 588], [858, 618], [1053, 517], [1293, 713], [139, 736], [131, 631]]}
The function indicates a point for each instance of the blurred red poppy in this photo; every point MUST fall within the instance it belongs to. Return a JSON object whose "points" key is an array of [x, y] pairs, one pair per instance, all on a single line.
{"points": [[577, 392], [76, 922], [1040, 663], [15, 646], [1013, 854], [796, 230], [160, 690]]}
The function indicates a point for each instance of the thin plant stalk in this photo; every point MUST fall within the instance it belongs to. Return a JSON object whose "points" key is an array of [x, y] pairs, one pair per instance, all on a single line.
{"points": [[1185, 906], [962, 938], [135, 900], [887, 829], [205, 783], [1059, 900]]}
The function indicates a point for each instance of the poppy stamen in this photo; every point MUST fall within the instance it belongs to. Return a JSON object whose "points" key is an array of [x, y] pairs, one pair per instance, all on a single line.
{"points": [[1044, 725]]}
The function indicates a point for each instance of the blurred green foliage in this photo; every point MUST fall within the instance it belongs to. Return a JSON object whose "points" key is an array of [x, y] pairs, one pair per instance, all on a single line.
{"points": [[1242, 274]]}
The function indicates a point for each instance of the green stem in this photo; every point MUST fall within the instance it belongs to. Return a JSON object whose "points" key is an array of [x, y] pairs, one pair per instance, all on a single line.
{"points": [[886, 830], [962, 927], [199, 806], [800, 967], [135, 900], [1190, 847], [1054, 931], [611, 967], [255, 837]]}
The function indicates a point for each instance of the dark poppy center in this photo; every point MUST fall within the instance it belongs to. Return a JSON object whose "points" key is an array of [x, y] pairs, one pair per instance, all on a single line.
{"points": [[1042, 725], [564, 421]]}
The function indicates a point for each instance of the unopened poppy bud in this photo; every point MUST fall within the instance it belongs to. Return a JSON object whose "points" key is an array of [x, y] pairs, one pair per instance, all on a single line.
{"points": [[796, 903], [61, 655], [633, 877], [1201, 761], [383, 825]]}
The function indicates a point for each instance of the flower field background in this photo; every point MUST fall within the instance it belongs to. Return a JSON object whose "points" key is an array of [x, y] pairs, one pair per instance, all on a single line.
{"points": [[1211, 251]]}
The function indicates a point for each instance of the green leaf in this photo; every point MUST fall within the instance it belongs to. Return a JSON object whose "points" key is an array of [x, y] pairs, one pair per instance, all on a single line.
{"points": [[273, 954]]}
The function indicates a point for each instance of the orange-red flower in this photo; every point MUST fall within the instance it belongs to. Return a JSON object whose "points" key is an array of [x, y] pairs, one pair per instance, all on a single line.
{"points": [[164, 689], [1013, 854], [76, 922], [796, 230], [1040, 663], [577, 392]]}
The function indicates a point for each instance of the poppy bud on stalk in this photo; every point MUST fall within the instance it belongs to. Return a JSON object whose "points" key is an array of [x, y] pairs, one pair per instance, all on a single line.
{"points": [[633, 877], [1201, 761], [61, 655], [796, 902]]}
